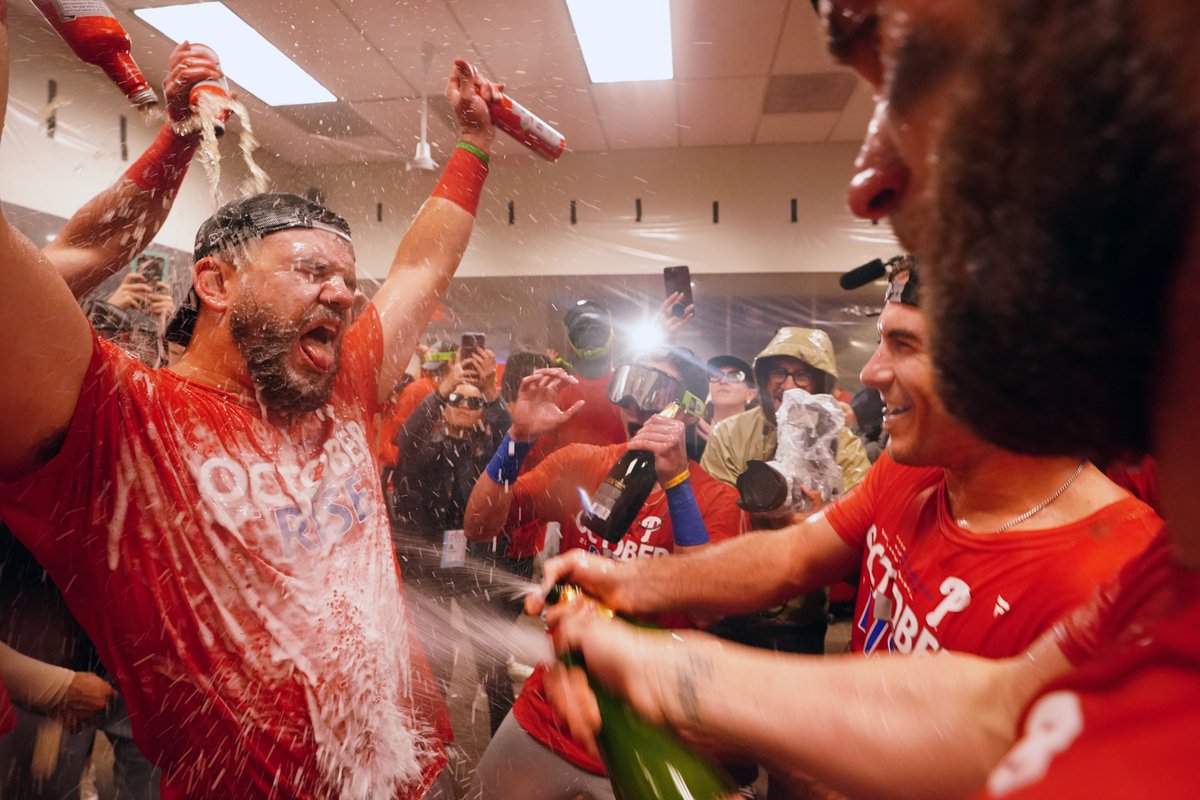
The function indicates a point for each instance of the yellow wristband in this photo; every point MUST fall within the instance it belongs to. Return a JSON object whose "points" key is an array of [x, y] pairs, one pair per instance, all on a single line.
{"points": [[678, 479]]}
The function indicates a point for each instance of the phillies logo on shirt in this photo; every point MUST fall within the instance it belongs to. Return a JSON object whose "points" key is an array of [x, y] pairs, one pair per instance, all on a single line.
{"points": [[888, 614]]}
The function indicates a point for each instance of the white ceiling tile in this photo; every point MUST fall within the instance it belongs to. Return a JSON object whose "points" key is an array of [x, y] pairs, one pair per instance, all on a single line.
{"points": [[802, 46], [531, 43], [322, 40], [723, 39], [853, 123], [719, 111], [407, 32], [637, 115], [795, 128]]}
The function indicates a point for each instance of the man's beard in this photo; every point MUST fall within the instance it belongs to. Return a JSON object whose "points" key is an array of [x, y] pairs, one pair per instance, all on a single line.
{"points": [[1061, 213], [266, 340]]}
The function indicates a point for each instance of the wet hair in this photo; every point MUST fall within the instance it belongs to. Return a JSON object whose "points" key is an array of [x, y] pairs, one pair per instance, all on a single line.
{"points": [[518, 367], [1065, 198]]}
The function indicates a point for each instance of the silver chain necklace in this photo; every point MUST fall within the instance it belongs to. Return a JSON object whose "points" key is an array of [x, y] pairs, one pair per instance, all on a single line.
{"points": [[1040, 507]]}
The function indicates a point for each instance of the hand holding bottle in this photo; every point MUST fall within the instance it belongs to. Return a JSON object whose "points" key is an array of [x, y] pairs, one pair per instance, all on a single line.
{"points": [[535, 411], [664, 439], [604, 579], [469, 94], [190, 64], [637, 684]]}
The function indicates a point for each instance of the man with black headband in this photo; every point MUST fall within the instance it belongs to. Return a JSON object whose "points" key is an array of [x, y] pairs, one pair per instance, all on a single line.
{"points": [[959, 545], [531, 755], [217, 527]]}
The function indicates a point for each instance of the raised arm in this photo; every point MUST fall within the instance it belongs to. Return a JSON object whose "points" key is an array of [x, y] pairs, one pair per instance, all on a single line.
{"points": [[47, 341], [533, 414], [887, 727], [736, 576], [121, 221], [434, 245]]}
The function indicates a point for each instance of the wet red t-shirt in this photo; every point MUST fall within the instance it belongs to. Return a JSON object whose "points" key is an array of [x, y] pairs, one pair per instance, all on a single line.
{"points": [[1124, 723], [237, 576], [983, 593], [552, 493]]}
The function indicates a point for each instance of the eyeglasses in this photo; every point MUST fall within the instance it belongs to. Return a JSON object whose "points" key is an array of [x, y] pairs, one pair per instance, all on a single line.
{"points": [[465, 401], [733, 376], [798, 375]]}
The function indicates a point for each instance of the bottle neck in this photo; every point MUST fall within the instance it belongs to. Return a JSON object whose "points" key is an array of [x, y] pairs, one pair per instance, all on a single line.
{"points": [[121, 68]]}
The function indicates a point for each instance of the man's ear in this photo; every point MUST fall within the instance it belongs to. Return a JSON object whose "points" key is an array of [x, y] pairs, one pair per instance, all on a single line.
{"points": [[214, 281]]}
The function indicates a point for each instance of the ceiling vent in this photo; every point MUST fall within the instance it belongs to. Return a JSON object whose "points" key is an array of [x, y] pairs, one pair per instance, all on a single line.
{"points": [[814, 92]]}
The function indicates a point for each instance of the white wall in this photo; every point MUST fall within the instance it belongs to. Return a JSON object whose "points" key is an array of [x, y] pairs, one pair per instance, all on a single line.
{"points": [[753, 184]]}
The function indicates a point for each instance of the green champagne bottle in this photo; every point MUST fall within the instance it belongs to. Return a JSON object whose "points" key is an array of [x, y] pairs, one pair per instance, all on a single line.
{"points": [[646, 761]]}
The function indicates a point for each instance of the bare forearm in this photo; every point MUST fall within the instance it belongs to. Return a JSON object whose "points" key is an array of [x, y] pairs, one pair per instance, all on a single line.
{"points": [[487, 509], [902, 727], [736, 576], [121, 221], [422, 268]]}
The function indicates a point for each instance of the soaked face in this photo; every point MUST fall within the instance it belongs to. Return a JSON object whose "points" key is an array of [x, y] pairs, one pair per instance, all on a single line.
{"points": [[1035, 160], [921, 432], [464, 407], [290, 316], [786, 372]]}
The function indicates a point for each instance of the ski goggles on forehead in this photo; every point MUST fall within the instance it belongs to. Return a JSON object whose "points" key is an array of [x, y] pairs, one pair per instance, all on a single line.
{"points": [[650, 389]]}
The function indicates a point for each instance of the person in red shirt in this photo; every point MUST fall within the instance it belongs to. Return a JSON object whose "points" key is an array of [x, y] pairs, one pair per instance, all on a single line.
{"points": [[591, 338], [947, 555], [1019, 149], [217, 527], [533, 754]]}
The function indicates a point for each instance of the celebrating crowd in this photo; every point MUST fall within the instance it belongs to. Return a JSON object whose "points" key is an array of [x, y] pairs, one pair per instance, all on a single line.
{"points": [[241, 556]]}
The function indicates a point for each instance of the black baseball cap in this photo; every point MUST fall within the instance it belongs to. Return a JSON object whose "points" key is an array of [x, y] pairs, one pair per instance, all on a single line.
{"points": [[716, 363], [243, 221], [589, 329]]}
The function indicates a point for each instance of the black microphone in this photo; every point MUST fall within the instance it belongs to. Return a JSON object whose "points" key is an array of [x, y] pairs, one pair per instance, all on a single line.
{"points": [[861, 276]]}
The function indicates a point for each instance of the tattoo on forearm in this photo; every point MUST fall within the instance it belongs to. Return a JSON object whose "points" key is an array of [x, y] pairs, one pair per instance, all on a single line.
{"points": [[692, 673]]}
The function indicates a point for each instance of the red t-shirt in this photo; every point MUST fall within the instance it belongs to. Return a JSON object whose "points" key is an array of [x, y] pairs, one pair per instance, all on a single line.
{"points": [[552, 492], [984, 593], [237, 577], [598, 422], [1124, 723]]}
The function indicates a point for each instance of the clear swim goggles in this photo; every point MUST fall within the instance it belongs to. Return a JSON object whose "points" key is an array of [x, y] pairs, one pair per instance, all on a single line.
{"points": [[651, 390]]}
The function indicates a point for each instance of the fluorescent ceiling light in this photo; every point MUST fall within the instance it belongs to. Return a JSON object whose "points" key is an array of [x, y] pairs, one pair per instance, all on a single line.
{"points": [[624, 40], [246, 57]]}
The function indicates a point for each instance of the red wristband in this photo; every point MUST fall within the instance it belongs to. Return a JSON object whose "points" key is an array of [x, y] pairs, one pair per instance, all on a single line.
{"points": [[462, 181], [164, 164]]}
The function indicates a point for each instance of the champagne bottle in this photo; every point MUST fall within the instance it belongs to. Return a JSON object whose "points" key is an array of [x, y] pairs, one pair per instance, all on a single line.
{"points": [[94, 34], [645, 761], [623, 492]]}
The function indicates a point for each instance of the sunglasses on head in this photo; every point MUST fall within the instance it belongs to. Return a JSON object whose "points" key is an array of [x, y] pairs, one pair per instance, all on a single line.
{"points": [[465, 401], [733, 376]]}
